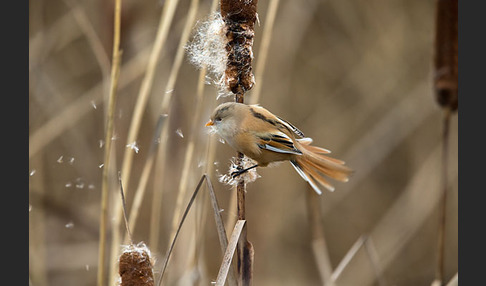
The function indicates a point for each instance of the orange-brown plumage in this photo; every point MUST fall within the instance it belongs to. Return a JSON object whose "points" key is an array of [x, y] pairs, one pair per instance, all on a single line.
{"points": [[266, 138]]}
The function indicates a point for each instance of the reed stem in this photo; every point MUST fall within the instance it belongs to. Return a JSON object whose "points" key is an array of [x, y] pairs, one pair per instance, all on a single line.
{"points": [[115, 72]]}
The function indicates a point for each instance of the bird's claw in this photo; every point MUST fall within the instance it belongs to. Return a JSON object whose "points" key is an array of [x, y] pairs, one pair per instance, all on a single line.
{"points": [[235, 174]]}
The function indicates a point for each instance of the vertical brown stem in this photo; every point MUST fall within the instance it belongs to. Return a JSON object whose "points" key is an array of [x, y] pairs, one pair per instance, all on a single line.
{"points": [[446, 86], [439, 272], [240, 17], [244, 248], [446, 60]]}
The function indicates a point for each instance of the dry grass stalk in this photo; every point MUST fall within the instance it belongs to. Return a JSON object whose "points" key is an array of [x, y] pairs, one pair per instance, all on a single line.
{"points": [[92, 37], [347, 258], [263, 51], [135, 264], [217, 216], [228, 254], [162, 121], [221, 230], [115, 71], [188, 158], [375, 263], [145, 88], [162, 148], [439, 272], [401, 121], [319, 246], [71, 114], [37, 230], [174, 239], [365, 242], [139, 193], [445, 83], [394, 230], [162, 32]]}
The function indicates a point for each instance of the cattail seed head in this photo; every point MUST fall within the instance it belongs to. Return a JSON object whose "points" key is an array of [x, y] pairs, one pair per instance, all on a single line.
{"points": [[446, 48], [135, 266], [239, 17]]}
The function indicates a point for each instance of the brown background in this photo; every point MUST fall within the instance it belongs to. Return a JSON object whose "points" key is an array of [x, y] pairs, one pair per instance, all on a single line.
{"points": [[356, 76]]}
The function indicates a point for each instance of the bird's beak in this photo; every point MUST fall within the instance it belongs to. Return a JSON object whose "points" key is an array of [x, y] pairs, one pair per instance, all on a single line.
{"points": [[209, 123]]}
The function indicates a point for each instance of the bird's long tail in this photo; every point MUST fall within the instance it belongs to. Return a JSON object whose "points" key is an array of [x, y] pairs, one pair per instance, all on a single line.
{"points": [[313, 164]]}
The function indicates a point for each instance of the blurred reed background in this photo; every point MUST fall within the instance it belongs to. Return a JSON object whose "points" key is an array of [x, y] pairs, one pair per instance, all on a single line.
{"points": [[356, 76]]}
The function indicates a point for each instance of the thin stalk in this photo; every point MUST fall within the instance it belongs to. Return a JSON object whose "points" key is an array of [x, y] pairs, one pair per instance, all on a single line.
{"points": [[37, 226], [239, 18], [174, 239], [75, 111], [162, 32], [182, 190], [263, 51], [160, 166], [228, 255], [218, 221], [115, 71], [164, 109], [439, 272], [142, 185], [183, 182], [245, 248], [375, 263], [347, 258], [446, 92], [124, 205], [319, 247], [394, 230], [92, 37]]}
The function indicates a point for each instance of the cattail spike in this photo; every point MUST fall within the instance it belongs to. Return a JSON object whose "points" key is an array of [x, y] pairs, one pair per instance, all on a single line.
{"points": [[135, 266], [240, 17], [446, 60]]}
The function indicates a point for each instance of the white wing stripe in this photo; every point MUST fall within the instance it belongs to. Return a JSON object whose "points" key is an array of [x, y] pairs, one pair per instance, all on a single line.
{"points": [[271, 148]]}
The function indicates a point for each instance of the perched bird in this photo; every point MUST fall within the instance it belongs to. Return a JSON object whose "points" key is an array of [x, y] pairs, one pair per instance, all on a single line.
{"points": [[267, 138]]}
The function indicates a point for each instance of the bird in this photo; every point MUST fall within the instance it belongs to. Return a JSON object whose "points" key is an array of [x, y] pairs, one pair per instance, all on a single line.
{"points": [[267, 138]]}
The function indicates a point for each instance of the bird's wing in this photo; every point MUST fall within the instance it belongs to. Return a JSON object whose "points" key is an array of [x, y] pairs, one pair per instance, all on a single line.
{"points": [[291, 127], [277, 142]]}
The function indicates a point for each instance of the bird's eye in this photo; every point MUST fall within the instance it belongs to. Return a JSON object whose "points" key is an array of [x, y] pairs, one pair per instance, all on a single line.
{"points": [[217, 118]]}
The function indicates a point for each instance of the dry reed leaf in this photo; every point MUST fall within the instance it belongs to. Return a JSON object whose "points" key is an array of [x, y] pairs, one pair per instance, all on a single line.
{"points": [[164, 109], [147, 168], [220, 226], [217, 217], [165, 21], [347, 258], [186, 211], [110, 118], [230, 251], [319, 245]]}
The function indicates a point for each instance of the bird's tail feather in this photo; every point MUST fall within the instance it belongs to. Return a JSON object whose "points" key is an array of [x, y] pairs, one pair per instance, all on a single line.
{"points": [[313, 164]]}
